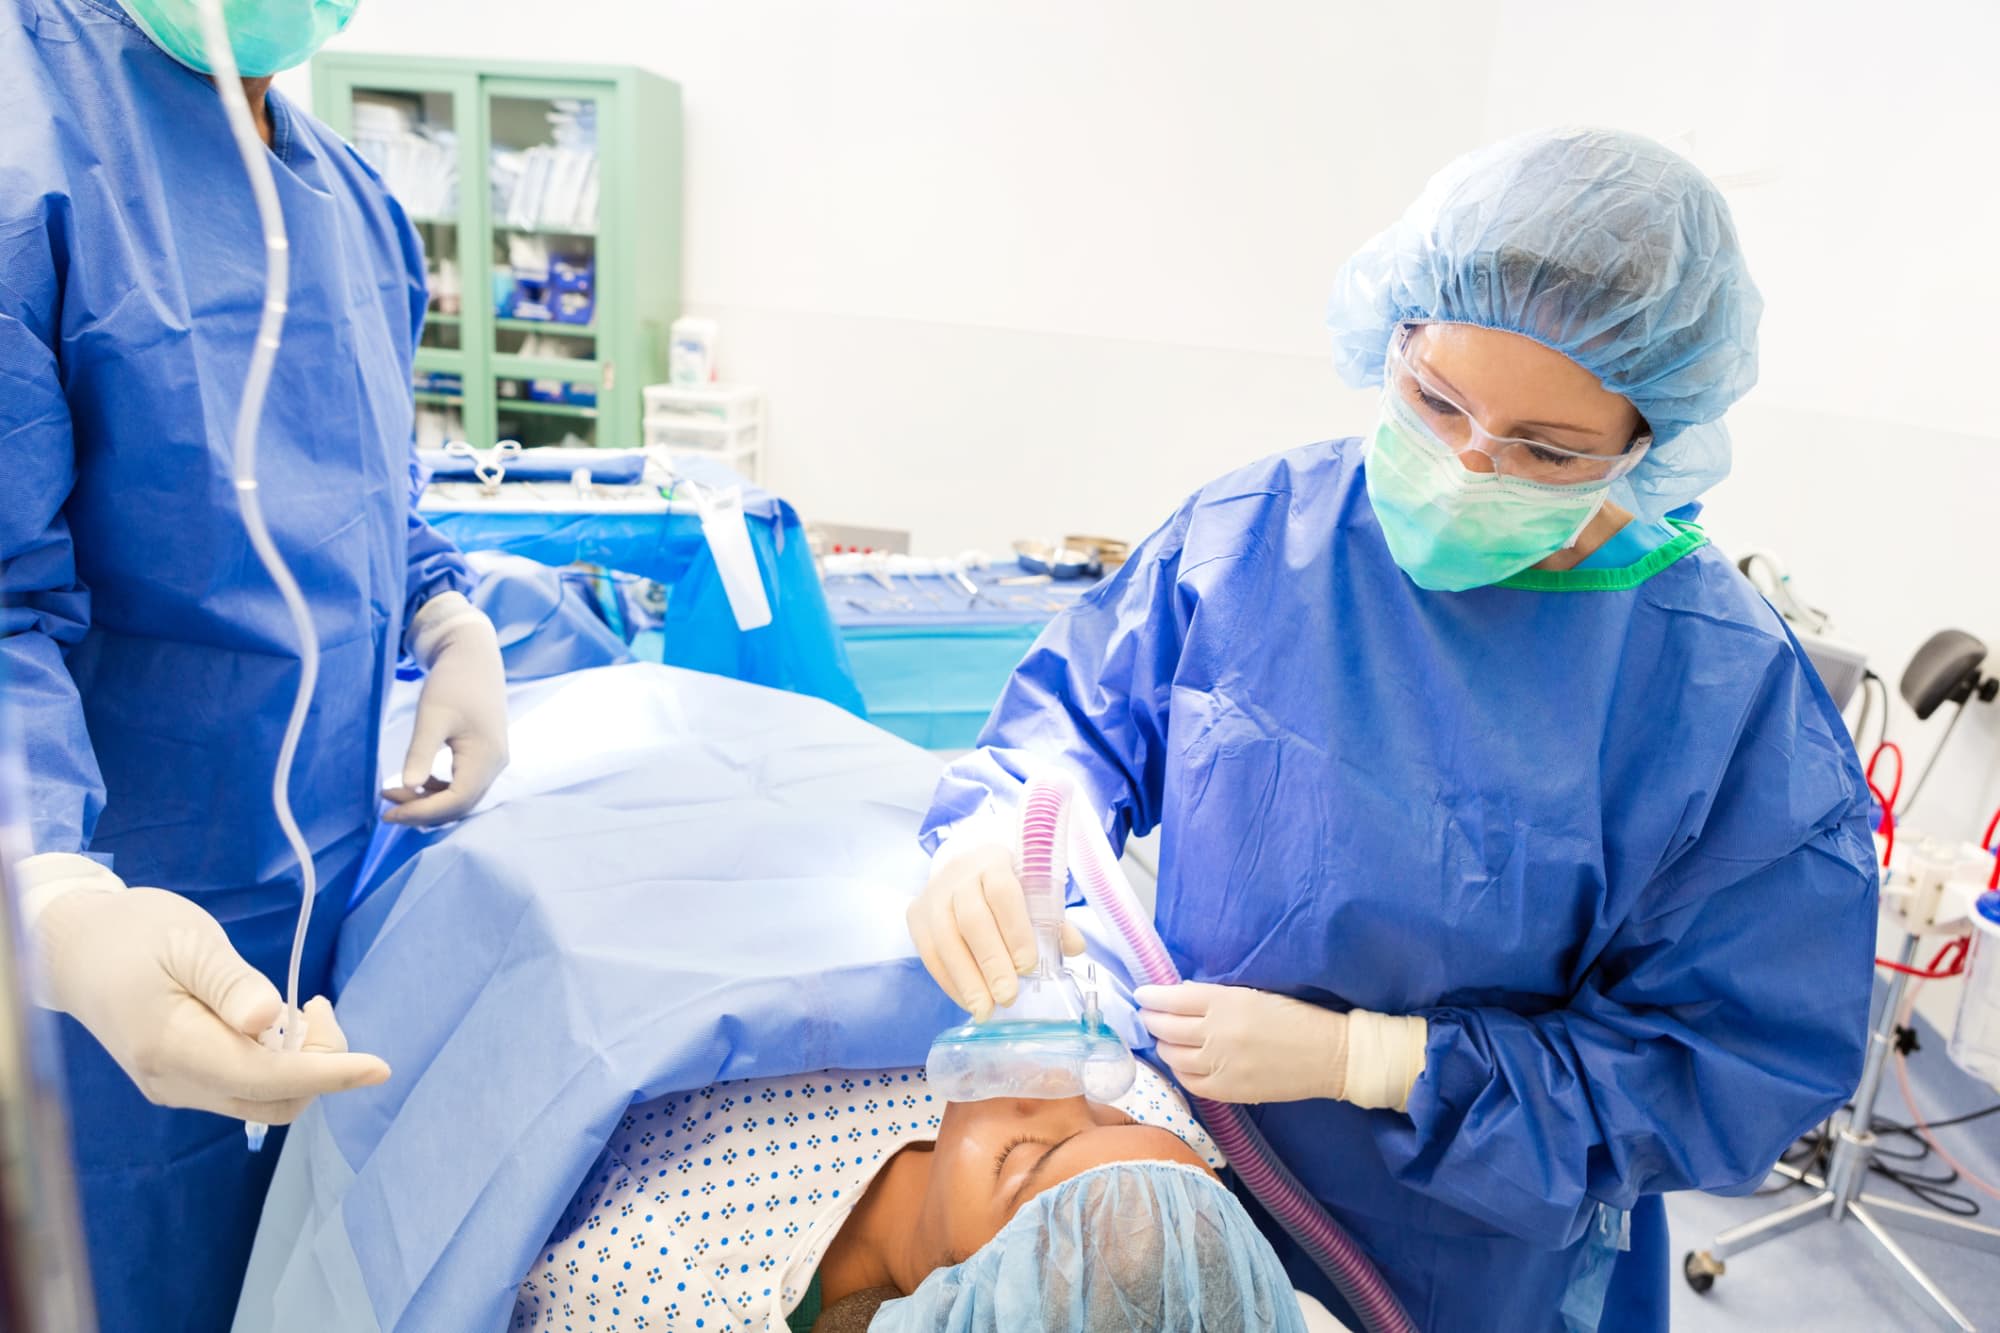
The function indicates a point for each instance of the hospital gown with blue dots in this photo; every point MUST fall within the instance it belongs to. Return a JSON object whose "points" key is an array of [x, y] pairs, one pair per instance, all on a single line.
{"points": [[710, 1210]]}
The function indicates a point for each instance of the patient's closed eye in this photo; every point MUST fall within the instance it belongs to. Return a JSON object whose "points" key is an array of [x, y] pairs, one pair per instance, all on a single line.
{"points": [[1000, 1162]]}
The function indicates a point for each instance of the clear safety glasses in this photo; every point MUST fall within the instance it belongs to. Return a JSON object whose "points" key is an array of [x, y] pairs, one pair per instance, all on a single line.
{"points": [[1512, 456]]}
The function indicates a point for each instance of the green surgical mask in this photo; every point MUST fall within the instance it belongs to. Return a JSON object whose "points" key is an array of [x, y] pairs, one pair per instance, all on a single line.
{"points": [[266, 35], [1452, 529]]}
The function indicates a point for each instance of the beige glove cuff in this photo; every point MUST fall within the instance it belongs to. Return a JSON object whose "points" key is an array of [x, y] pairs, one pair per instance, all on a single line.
{"points": [[1385, 1057], [44, 879], [47, 877], [435, 623]]}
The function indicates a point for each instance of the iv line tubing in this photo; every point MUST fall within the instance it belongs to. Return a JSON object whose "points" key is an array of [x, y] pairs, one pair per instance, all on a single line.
{"points": [[277, 274]]}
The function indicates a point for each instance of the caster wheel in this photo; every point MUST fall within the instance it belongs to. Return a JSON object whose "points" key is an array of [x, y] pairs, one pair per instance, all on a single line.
{"points": [[1701, 1271]]}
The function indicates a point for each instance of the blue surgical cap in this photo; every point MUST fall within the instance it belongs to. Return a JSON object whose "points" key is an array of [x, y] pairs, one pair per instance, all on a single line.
{"points": [[1602, 245], [1152, 1245]]}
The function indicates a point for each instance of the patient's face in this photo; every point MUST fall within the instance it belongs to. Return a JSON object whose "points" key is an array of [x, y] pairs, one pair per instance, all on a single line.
{"points": [[993, 1156]]}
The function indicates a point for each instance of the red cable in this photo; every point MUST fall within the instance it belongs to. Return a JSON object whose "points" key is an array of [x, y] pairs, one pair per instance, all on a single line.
{"points": [[1887, 828], [1936, 971], [1993, 880], [1917, 1117], [1887, 747]]}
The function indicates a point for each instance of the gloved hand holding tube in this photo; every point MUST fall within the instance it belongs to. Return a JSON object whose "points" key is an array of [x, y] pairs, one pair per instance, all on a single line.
{"points": [[1237, 1044], [463, 706], [156, 981]]}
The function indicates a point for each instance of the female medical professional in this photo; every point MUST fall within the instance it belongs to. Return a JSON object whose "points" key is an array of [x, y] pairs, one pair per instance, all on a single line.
{"points": [[1519, 863], [150, 658]]}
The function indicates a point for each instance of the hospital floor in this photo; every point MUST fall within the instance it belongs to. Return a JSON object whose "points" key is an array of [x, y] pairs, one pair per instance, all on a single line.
{"points": [[1829, 1278]]}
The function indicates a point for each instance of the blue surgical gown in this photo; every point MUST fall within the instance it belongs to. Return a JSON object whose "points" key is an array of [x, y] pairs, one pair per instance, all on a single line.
{"points": [[150, 658], [1604, 831]]}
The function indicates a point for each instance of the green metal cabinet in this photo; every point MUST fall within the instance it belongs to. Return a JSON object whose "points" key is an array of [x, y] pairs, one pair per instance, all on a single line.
{"points": [[434, 116]]}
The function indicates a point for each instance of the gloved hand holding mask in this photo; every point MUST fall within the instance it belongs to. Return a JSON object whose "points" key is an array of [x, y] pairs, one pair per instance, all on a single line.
{"points": [[970, 924]]}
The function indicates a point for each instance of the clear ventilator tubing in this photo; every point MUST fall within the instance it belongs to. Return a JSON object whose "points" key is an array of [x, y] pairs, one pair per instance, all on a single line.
{"points": [[1267, 1178], [290, 1033]]}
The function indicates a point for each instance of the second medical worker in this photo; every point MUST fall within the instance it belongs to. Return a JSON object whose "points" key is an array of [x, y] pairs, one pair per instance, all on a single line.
{"points": [[1519, 862]]}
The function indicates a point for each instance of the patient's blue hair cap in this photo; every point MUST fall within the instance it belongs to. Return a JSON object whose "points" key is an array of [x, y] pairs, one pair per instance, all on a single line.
{"points": [[1152, 1245]]}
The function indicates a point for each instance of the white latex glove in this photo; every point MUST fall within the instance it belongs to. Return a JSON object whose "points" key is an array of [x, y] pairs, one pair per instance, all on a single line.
{"points": [[1235, 1044], [970, 923], [463, 706], [157, 982]]}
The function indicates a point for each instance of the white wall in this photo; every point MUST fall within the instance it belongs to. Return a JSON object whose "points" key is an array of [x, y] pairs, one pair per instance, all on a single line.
{"points": [[1010, 267], [1015, 267], [1858, 145]]}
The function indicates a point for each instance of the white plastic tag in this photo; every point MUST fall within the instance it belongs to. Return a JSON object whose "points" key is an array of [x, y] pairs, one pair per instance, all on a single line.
{"points": [[728, 534]]}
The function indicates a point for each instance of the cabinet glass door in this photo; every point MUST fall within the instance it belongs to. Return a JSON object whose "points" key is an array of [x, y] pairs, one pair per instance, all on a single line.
{"points": [[548, 273], [421, 136]]}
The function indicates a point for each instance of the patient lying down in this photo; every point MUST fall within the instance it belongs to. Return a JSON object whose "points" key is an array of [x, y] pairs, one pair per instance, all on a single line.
{"points": [[766, 1204]]}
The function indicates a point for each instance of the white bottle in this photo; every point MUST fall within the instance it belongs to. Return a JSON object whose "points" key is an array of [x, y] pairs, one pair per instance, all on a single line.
{"points": [[1975, 1038], [691, 359], [447, 296]]}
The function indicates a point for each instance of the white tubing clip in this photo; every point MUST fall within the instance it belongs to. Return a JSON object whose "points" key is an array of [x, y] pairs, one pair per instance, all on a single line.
{"points": [[489, 466], [287, 1034]]}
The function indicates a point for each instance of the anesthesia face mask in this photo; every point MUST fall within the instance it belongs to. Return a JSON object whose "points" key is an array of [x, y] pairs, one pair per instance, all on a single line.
{"points": [[1052, 1041]]}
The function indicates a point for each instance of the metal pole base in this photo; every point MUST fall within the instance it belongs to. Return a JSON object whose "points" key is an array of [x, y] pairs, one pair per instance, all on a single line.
{"points": [[1838, 1194], [1740, 1240], [1702, 1267], [1912, 1217], [1920, 1283]]}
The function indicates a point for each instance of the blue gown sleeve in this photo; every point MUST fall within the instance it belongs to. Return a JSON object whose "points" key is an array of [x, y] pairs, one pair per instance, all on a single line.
{"points": [[1091, 694], [44, 607], [436, 565], [1727, 1015]]}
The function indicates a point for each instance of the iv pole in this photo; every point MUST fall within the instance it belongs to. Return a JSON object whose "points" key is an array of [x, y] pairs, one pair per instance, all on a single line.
{"points": [[1838, 1195], [44, 1286]]}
